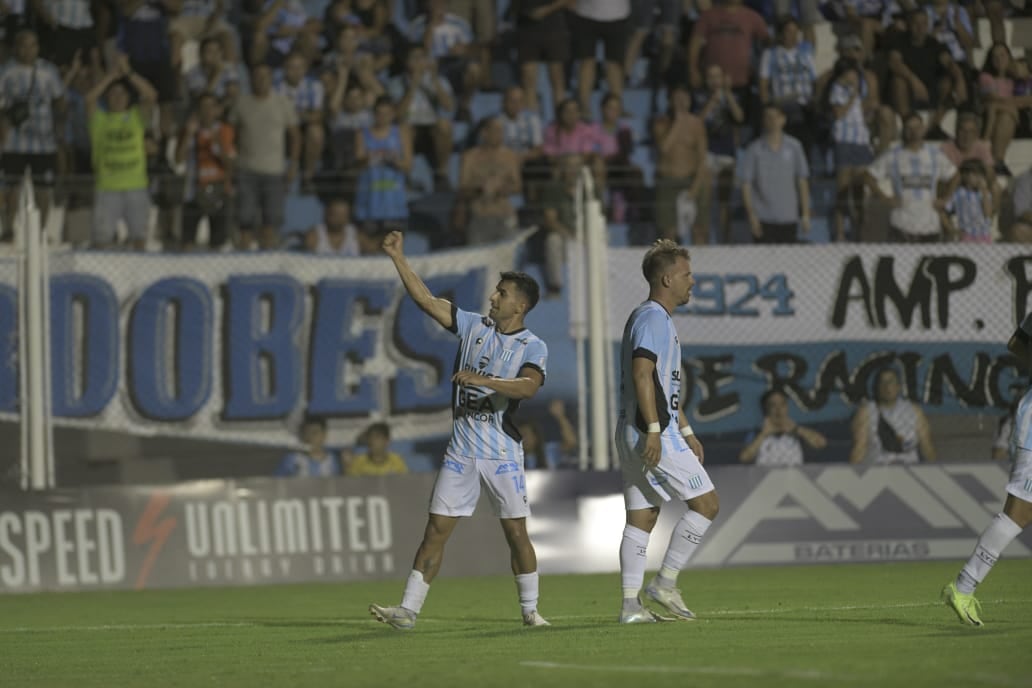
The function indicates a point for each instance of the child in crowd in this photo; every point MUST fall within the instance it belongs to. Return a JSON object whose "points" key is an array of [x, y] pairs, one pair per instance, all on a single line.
{"points": [[968, 214]]}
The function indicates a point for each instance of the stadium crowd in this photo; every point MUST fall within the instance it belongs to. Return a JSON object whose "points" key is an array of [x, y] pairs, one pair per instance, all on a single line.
{"points": [[222, 109]]}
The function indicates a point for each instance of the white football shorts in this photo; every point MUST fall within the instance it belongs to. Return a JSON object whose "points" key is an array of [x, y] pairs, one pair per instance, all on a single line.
{"points": [[679, 474], [457, 488]]}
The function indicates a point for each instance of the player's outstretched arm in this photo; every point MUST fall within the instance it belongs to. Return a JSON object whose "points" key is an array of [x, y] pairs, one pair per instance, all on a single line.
{"points": [[437, 308]]}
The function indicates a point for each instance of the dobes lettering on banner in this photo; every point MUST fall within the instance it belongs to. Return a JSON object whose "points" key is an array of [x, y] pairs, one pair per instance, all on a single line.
{"points": [[61, 548], [273, 346]]}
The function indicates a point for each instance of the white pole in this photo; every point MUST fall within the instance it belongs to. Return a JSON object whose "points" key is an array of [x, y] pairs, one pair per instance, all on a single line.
{"points": [[20, 239], [594, 234], [47, 389], [611, 372], [578, 317], [33, 364]]}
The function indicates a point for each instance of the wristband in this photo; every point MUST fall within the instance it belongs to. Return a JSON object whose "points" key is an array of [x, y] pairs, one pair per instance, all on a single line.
{"points": [[654, 427], [686, 431]]}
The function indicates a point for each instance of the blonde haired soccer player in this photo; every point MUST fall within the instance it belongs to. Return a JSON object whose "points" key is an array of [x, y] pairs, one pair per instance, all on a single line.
{"points": [[660, 455]]}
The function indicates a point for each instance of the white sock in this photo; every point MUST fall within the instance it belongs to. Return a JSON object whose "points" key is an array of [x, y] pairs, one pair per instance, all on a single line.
{"points": [[991, 543], [527, 585], [684, 540], [415, 592], [632, 560]]}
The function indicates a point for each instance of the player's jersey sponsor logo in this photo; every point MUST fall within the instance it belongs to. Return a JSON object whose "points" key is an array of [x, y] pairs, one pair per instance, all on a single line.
{"points": [[453, 465], [507, 467]]}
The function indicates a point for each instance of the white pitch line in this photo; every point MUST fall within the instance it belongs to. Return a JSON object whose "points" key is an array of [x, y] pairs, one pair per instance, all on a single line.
{"points": [[803, 674]]}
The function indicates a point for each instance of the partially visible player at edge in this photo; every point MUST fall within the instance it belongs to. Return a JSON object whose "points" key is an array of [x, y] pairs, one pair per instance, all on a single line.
{"points": [[959, 595], [500, 363], [659, 453]]}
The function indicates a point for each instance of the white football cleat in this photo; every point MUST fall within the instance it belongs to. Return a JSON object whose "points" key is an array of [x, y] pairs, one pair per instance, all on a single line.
{"points": [[395, 617], [534, 619]]}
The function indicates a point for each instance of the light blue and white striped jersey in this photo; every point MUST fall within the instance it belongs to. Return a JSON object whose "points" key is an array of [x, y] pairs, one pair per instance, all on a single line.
{"points": [[1021, 435], [966, 207], [483, 425], [914, 175], [650, 333], [291, 14], [423, 108], [197, 81], [72, 14], [40, 84], [944, 28], [791, 72], [523, 132], [454, 30], [307, 96], [851, 128], [302, 465]]}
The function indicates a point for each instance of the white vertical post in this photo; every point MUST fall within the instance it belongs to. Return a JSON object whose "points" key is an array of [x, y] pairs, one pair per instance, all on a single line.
{"points": [[33, 366], [594, 234], [578, 317]]}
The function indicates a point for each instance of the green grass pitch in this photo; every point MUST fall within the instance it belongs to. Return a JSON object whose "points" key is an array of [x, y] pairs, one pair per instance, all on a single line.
{"points": [[846, 625]]}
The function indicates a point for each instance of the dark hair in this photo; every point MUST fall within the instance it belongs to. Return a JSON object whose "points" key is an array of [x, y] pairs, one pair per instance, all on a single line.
{"points": [[765, 397], [660, 257], [877, 376], [312, 419], [525, 284], [209, 41], [782, 22], [987, 65], [913, 114], [561, 105], [380, 428], [973, 165]]}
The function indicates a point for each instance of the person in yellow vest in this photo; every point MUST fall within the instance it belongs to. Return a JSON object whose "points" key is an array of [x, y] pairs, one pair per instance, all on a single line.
{"points": [[378, 461], [119, 156]]}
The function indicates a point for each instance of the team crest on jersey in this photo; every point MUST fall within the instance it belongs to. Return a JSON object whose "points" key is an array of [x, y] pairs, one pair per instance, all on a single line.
{"points": [[453, 465], [507, 355], [507, 467]]}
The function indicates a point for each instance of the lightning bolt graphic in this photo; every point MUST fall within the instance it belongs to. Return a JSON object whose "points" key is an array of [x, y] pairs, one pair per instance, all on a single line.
{"points": [[150, 529]]}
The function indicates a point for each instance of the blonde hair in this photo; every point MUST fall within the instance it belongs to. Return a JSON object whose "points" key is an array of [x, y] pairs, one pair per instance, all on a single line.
{"points": [[660, 257]]}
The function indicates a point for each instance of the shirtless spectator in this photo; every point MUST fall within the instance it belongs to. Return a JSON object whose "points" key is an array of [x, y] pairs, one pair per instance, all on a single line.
{"points": [[681, 167]]}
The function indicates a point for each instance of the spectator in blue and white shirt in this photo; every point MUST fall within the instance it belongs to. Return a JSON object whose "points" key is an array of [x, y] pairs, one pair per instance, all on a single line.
{"points": [[424, 101], [968, 214], [33, 105], [952, 27], [213, 74], [308, 97], [914, 170], [787, 77], [315, 460], [448, 39], [523, 133], [66, 27], [283, 27], [852, 139], [201, 19]]}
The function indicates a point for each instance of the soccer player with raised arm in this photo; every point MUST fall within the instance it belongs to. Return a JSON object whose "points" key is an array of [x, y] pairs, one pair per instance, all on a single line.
{"points": [[660, 455], [959, 595], [500, 363]]}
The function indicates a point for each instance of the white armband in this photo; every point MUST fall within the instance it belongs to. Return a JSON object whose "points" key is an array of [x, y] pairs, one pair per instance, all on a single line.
{"points": [[654, 427], [687, 431]]}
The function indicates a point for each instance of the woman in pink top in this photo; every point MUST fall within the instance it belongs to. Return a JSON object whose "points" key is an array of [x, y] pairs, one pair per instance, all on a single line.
{"points": [[997, 89], [569, 135]]}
